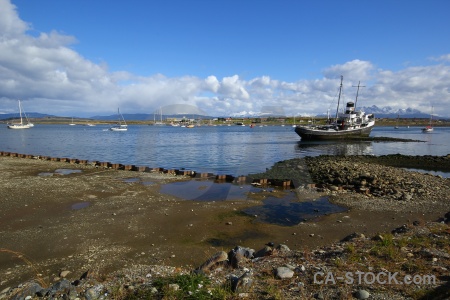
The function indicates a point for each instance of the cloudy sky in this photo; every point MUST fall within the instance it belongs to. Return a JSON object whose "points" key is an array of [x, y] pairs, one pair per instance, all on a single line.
{"points": [[85, 58]]}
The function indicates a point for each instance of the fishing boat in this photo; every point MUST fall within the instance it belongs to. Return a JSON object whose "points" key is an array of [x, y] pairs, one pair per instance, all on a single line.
{"points": [[429, 128], [22, 124], [121, 124], [347, 125]]}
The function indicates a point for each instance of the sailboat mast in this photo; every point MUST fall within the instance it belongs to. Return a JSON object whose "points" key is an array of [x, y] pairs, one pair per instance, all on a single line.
{"points": [[20, 113], [431, 116], [339, 98]]}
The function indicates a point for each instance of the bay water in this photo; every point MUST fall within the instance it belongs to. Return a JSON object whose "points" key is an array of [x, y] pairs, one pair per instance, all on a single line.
{"points": [[231, 150]]}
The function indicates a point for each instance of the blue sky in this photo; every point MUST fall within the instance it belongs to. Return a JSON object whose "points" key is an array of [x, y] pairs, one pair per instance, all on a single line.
{"points": [[86, 58]]}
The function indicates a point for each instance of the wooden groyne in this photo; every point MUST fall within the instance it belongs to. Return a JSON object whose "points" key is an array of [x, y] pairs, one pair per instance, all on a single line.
{"points": [[219, 178]]}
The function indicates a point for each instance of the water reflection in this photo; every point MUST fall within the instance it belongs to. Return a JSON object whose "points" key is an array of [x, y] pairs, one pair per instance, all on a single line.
{"points": [[314, 148], [278, 208], [207, 190], [287, 213]]}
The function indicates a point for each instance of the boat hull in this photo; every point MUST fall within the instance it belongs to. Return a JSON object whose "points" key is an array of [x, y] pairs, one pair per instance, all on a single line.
{"points": [[19, 126], [118, 129], [308, 133]]}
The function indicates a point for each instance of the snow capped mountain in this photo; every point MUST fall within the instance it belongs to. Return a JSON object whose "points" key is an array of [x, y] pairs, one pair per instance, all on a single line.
{"points": [[389, 110]]}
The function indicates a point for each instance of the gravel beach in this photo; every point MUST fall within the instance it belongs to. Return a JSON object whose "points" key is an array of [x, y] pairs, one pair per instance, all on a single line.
{"points": [[102, 220]]}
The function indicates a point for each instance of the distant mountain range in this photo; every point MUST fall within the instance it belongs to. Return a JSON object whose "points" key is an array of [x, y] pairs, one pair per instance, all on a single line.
{"points": [[380, 112], [389, 112]]}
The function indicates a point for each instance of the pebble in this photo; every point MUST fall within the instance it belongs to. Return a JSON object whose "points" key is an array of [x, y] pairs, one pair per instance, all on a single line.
{"points": [[362, 294], [284, 272]]}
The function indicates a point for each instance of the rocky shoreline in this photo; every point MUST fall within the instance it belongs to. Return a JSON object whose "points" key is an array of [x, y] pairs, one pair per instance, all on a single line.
{"points": [[383, 182], [372, 186]]}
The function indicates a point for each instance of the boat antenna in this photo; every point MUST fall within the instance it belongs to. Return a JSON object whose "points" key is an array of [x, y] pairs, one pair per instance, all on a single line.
{"points": [[357, 92], [339, 98]]}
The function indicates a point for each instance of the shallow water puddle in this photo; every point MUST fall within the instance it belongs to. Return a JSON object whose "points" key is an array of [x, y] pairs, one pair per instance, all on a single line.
{"points": [[206, 190], [60, 172], [431, 172], [280, 208], [66, 171], [286, 212], [80, 205], [131, 180]]}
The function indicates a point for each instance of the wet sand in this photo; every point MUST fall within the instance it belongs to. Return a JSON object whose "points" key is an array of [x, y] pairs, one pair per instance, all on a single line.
{"points": [[105, 219]]}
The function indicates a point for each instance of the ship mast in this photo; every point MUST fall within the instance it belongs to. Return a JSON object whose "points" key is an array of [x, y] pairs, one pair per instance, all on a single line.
{"points": [[357, 92], [339, 99]]}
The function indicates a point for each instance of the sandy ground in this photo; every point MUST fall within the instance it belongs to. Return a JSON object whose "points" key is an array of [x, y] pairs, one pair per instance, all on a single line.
{"points": [[104, 219]]}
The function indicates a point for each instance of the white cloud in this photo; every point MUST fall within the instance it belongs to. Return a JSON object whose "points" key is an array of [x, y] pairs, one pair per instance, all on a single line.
{"points": [[52, 78], [10, 23], [443, 58]]}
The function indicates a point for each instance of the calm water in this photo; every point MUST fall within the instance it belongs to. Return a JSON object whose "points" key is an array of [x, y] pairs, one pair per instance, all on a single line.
{"points": [[233, 150]]}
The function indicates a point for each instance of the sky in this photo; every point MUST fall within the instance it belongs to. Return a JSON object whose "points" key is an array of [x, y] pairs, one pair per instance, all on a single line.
{"points": [[236, 57]]}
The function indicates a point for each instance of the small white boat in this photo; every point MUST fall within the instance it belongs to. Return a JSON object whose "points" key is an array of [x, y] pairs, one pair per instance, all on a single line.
{"points": [[429, 128], [121, 125], [72, 124], [21, 125]]}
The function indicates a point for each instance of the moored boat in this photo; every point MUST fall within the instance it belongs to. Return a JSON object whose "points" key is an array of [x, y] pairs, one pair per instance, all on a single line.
{"points": [[429, 128], [347, 125], [121, 124], [22, 124]]}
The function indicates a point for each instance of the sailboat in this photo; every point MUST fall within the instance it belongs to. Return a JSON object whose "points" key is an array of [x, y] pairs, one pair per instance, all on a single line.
{"points": [[121, 125], [429, 128], [21, 125], [160, 116], [396, 126], [72, 124]]}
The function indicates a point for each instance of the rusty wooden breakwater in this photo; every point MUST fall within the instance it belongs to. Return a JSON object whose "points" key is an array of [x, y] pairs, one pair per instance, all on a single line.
{"points": [[219, 178]]}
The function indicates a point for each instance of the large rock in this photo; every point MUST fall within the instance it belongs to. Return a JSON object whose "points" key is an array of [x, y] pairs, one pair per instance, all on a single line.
{"points": [[243, 283], [239, 255], [212, 262]]}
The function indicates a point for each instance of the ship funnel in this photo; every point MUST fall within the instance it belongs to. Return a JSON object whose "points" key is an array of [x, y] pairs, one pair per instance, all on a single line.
{"points": [[350, 109]]}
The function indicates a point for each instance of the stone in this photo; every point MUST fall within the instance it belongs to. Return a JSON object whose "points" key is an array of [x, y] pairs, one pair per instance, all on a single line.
{"points": [[266, 251], [401, 229], [94, 292], [243, 283], [64, 274], [28, 289], [353, 236], [361, 294], [212, 262], [240, 253], [284, 273], [283, 248]]}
